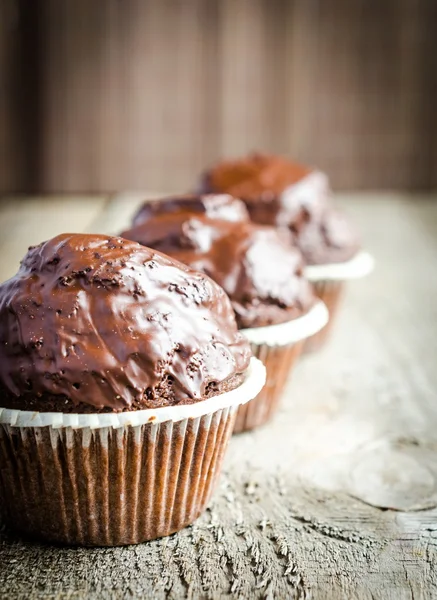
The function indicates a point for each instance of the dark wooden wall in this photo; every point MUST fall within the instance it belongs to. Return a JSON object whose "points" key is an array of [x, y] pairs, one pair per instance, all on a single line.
{"points": [[141, 94]]}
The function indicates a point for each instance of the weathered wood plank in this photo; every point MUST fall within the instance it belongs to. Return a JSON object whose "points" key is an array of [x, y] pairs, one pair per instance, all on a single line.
{"points": [[295, 514], [106, 95]]}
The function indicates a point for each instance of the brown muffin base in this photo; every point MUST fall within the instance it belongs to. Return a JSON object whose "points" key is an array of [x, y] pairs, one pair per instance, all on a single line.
{"points": [[331, 293], [279, 362], [110, 487], [162, 396]]}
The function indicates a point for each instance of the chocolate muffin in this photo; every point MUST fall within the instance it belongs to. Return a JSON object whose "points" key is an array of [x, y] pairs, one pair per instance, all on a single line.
{"points": [[215, 206], [261, 272], [120, 374], [239, 257], [285, 194], [295, 197]]}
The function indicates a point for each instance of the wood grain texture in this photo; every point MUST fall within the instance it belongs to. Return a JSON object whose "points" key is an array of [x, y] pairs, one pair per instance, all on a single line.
{"points": [[112, 95], [295, 515], [16, 124]]}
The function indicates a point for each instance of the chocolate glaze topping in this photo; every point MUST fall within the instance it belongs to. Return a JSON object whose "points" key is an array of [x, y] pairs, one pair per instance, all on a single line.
{"points": [[216, 206], [279, 192], [94, 323], [256, 265], [164, 222]]}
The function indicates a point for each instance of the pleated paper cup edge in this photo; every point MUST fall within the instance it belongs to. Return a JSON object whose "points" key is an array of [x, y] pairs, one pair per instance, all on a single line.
{"points": [[252, 385], [359, 266], [292, 331]]}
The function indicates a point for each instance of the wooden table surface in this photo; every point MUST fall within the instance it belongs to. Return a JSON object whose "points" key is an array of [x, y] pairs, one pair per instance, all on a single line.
{"points": [[336, 497]]}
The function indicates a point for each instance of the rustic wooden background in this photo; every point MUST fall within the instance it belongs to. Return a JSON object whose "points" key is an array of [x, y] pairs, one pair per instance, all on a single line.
{"points": [[141, 94]]}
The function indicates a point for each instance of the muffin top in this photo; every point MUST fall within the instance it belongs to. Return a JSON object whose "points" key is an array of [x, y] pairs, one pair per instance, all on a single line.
{"points": [[94, 323], [216, 206], [256, 265], [286, 194]]}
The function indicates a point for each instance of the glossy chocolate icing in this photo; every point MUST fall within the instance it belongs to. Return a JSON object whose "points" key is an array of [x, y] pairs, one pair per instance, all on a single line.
{"points": [[256, 265], [98, 323], [216, 206], [285, 194]]}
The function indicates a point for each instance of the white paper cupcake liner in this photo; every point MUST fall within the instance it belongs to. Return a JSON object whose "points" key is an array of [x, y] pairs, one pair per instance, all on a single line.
{"points": [[331, 292], [115, 483], [359, 266], [110, 487], [292, 331], [278, 347], [279, 362]]}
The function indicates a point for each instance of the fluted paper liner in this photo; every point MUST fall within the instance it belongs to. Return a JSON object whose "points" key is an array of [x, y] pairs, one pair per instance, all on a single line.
{"points": [[358, 266], [278, 347], [105, 485], [331, 293], [329, 284]]}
